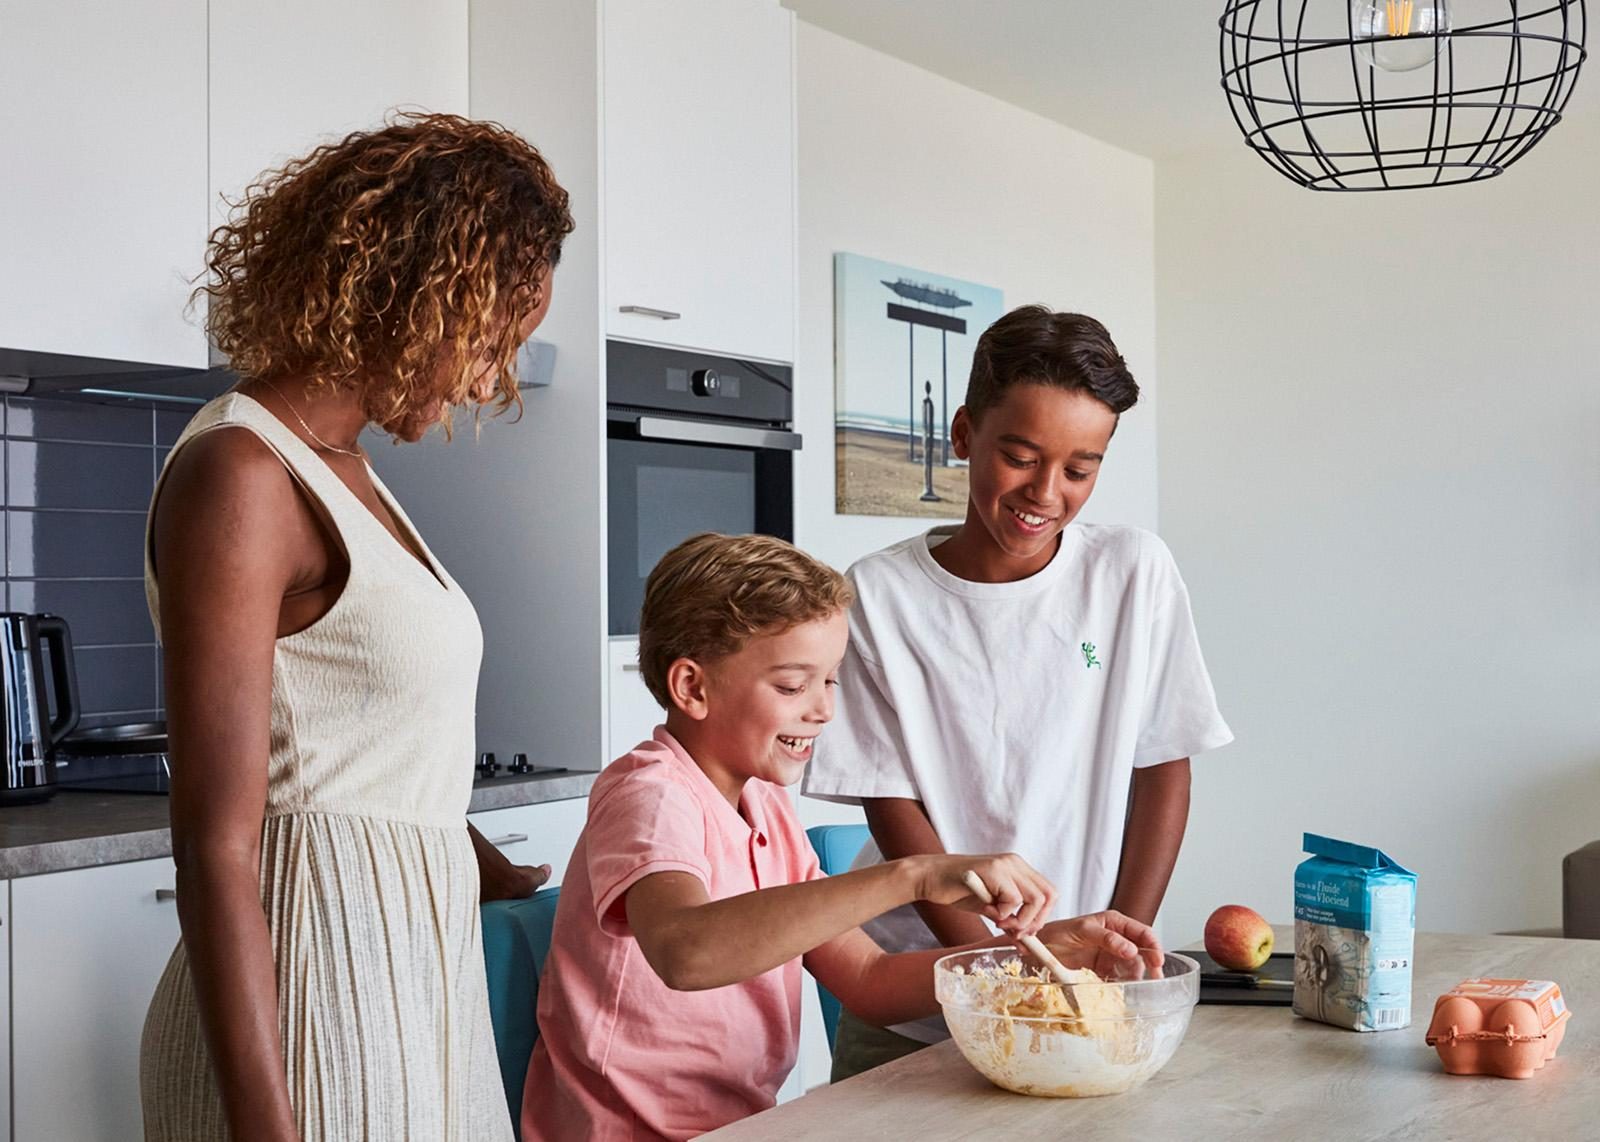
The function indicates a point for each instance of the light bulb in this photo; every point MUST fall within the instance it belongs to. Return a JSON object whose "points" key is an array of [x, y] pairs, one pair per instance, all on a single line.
{"points": [[1399, 35]]}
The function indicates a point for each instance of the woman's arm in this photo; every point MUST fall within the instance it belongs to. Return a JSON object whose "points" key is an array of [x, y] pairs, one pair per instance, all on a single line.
{"points": [[901, 828], [226, 552], [694, 942], [498, 878], [884, 989]]}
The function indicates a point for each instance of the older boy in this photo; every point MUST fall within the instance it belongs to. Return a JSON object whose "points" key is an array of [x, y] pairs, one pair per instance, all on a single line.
{"points": [[1016, 683], [670, 1001]]}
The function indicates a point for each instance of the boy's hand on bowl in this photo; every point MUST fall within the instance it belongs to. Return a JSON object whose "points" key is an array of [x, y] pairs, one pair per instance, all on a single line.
{"points": [[1117, 947], [1021, 897]]}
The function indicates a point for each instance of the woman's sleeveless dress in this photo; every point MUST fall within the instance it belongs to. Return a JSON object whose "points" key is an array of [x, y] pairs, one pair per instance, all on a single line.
{"points": [[368, 876]]}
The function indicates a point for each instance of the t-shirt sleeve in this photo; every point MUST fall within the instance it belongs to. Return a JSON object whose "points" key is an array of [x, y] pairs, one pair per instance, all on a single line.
{"points": [[1181, 717], [647, 824], [808, 866], [862, 752]]}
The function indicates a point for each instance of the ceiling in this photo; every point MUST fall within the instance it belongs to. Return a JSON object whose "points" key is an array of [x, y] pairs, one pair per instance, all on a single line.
{"points": [[1141, 74]]}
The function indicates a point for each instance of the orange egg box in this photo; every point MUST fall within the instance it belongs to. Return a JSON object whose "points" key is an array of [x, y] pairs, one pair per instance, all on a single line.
{"points": [[1505, 1027]]}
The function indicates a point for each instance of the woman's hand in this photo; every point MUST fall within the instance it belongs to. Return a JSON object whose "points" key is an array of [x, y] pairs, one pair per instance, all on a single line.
{"points": [[1114, 945], [498, 878], [1021, 896], [512, 882]]}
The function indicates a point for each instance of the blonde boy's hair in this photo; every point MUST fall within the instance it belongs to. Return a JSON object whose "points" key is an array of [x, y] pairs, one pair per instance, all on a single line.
{"points": [[712, 593]]}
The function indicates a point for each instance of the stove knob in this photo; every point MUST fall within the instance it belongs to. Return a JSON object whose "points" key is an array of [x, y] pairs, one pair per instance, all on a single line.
{"points": [[519, 764], [487, 765], [705, 382]]}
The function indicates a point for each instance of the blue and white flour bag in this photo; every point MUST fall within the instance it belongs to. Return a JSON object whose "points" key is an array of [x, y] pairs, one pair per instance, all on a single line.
{"points": [[1355, 920]]}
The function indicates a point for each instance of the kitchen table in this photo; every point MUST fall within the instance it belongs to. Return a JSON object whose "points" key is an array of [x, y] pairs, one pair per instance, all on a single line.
{"points": [[1258, 1072]]}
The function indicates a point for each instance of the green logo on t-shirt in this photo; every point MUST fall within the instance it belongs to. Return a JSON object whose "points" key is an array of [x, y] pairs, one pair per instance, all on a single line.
{"points": [[1088, 656]]}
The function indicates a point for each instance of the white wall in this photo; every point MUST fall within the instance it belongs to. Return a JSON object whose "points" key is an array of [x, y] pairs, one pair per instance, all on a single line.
{"points": [[1380, 461], [900, 164], [505, 511]]}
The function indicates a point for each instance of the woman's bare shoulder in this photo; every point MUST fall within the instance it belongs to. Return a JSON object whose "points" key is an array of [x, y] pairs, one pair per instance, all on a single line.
{"points": [[223, 464], [226, 488]]}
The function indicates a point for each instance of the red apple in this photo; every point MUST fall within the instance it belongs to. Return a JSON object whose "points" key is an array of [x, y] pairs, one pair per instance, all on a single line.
{"points": [[1238, 938]]}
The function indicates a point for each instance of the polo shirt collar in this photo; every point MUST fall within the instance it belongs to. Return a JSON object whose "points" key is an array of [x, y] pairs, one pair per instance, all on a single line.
{"points": [[752, 819]]}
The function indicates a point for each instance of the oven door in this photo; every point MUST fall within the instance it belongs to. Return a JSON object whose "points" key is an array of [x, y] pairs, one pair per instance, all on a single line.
{"points": [[668, 479]]}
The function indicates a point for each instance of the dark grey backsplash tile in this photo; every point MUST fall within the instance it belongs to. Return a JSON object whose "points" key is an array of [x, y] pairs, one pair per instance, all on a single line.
{"points": [[74, 557], [78, 420], [170, 425], [52, 474], [98, 611], [117, 679], [74, 545]]}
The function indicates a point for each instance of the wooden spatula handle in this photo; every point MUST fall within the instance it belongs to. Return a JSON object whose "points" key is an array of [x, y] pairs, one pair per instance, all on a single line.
{"points": [[1030, 944]]}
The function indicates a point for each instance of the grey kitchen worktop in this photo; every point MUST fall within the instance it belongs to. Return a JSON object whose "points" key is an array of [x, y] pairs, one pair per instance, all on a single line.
{"points": [[81, 830]]}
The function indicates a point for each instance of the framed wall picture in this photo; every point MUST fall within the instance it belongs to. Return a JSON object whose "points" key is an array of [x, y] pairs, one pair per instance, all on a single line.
{"points": [[903, 341]]}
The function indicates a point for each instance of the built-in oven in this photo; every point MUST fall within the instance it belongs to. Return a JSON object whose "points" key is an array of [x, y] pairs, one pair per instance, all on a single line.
{"points": [[694, 442]]}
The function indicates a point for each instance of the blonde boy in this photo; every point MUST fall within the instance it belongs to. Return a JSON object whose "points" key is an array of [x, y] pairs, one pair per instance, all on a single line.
{"points": [[670, 1003]]}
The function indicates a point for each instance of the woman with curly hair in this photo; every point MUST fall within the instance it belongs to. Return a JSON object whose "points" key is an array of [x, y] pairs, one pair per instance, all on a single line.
{"points": [[321, 666]]}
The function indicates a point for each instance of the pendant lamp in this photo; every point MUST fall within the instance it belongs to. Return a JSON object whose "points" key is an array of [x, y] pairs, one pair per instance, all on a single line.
{"points": [[1398, 94]]}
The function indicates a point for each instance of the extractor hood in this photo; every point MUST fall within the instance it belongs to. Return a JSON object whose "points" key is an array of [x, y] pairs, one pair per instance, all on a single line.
{"points": [[62, 375], [65, 377]]}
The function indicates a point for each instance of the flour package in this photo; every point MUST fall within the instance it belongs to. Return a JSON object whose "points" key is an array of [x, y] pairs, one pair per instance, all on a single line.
{"points": [[1355, 916]]}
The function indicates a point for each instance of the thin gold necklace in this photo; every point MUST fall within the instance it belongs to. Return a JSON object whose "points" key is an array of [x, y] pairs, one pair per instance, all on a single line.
{"points": [[356, 452]]}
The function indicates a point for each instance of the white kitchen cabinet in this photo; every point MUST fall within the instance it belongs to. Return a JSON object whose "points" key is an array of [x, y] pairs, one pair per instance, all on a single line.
{"points": [[102, 196], [536, 834], [698, 108], [5, 1011], [87, 947], [633, 712], [288, 75]]}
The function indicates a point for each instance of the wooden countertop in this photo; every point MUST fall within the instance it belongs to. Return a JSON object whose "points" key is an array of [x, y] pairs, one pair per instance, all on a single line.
{"points": [[1258, 1073]]}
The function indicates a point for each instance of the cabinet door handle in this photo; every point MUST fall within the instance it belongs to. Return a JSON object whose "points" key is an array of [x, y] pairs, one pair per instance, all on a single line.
{"points": [[630, 668], [165, 894], [508, 839], [650, 311]]}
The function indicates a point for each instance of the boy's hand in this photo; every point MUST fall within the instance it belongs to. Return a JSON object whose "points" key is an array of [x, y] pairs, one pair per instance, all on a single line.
{"points": [[1021, 896], [1114, 945]]}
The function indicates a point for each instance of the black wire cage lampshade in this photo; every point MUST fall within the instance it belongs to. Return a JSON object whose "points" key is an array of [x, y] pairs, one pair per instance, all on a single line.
{"points": [[1397, 94]]}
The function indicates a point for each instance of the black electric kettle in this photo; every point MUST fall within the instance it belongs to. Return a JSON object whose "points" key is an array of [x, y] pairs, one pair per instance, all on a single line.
{"points": [[31, 730]]}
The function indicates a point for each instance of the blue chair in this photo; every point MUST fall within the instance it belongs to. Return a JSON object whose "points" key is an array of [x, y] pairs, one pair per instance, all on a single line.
{"points": [[837, 846], [516, 939]]}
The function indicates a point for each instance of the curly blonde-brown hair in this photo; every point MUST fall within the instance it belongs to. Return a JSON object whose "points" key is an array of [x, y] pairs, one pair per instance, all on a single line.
{"points": [[402, 261], [710, 594]]}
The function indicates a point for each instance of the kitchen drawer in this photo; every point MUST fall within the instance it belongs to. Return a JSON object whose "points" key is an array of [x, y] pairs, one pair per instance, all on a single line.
{"points": [[5, 1011], [536, 834], [87, 947], [632, 711]]}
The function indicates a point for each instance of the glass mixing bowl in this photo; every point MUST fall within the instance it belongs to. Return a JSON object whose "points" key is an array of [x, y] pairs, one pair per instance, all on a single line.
{"points": [[1019, 1034]]}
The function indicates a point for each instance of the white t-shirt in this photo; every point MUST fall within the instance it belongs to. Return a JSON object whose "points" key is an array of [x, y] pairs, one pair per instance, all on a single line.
{"points": [[1017, 712]]}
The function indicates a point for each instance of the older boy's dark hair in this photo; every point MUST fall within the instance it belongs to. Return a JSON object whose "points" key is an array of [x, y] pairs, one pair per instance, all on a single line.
{"points": [[1035, 345]]}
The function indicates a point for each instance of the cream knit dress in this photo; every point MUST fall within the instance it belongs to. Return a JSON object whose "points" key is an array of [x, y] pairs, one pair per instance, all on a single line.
{"points": [[368, 876]]}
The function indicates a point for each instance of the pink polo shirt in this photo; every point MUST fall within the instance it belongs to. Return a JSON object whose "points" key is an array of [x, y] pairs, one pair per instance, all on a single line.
{"points": [[621, 1055]]}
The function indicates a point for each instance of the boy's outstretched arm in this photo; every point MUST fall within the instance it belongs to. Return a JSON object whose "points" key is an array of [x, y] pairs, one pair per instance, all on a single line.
{"points": [[901, 828], [1157, 817], [693, 942], [884, 989]]}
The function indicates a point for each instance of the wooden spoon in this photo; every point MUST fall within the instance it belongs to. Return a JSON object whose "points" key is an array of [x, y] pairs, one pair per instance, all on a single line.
{"points": [[1030, 944]]}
